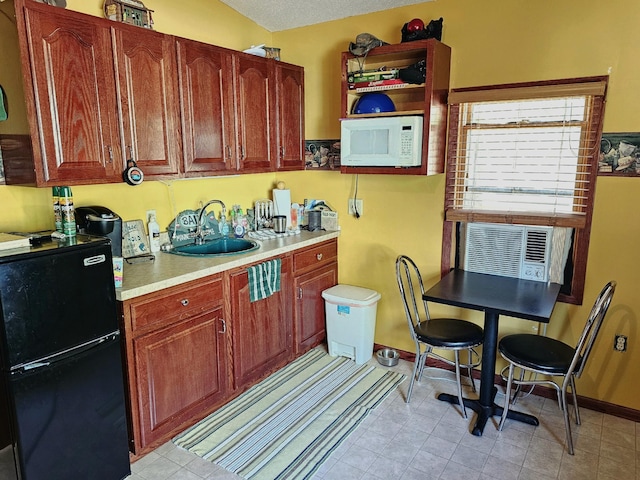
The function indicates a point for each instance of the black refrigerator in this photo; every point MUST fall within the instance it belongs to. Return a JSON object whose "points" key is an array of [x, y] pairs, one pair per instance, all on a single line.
{"points": [[62, 404]]}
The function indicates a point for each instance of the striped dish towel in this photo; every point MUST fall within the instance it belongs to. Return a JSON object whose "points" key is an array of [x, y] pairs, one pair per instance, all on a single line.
{"points": [[264, 279]]}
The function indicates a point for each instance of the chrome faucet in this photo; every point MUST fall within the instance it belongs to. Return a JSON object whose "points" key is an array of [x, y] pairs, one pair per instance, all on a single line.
{"points": [[199, 231]]}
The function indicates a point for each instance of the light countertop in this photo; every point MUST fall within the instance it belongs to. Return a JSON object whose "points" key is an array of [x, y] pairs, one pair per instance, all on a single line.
{"points": [[169, 270]]}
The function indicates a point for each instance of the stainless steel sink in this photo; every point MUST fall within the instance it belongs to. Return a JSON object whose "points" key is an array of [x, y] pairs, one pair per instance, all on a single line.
{"points": [[217, 248]]}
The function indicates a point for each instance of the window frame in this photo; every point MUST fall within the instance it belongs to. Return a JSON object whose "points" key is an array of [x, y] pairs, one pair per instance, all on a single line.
{"points": [[516, 91]]}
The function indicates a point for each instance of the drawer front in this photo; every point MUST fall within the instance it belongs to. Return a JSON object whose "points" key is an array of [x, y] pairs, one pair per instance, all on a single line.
{"points": [[176, 304], [315, 256]]}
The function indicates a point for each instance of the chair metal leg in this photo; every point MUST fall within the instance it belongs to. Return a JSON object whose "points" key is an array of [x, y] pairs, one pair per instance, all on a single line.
{"points": [[567, 423], [456, 354], [575, 399], [470, 370], [516, 391], [507, 399], [415, 373]]}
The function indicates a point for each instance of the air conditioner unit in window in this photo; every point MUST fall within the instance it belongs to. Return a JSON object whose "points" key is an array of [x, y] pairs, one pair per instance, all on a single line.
{"points": [[520, 251]]}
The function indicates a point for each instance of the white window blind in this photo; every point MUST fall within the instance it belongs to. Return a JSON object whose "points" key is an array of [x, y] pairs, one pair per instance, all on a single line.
{"points": [[524, 154]]}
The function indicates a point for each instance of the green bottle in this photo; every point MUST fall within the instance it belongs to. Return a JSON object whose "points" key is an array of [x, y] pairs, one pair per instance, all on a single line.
{"points": [[68, 212], [57, 213]]}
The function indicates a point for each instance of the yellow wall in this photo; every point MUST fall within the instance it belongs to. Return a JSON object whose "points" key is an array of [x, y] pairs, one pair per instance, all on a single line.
{"points": [[493, 41]]}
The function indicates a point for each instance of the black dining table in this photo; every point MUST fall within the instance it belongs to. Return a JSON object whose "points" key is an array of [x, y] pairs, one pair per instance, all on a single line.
{"points": [[494, 295]]}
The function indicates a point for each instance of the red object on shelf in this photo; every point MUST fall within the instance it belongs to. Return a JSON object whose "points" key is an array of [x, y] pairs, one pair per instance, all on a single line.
{"points": [[415, 25]]}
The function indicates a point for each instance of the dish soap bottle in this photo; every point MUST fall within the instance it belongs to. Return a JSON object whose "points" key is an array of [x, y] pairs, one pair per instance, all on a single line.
{"points": [[154, 234]]}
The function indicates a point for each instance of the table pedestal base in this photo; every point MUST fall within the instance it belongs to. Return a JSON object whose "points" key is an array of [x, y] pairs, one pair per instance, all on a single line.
{"points": [[486, 412]]}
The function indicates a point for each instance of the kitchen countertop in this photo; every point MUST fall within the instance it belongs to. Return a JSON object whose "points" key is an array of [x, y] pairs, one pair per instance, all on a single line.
{"points": [[169, 270]]}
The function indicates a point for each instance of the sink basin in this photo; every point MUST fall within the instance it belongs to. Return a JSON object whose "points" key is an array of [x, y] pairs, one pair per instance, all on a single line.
{"points": [[218, 247]]}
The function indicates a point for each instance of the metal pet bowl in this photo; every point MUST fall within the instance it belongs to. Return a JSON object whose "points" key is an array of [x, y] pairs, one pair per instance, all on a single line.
{"points": [[388, 357]]}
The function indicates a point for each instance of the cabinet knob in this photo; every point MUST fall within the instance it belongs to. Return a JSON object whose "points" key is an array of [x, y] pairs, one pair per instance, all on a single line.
{"points": [[184, 302], [319, 256]]}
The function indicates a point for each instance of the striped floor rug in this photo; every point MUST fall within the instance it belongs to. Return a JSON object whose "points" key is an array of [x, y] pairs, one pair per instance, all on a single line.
{"points": [[288, 424]]}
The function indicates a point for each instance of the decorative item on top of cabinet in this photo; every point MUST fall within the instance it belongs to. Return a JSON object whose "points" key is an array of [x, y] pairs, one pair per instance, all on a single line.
{"points": [[380, 72], [132, 12]]}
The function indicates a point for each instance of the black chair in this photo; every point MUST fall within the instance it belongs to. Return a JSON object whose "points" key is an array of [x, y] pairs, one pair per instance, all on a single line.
{"points": [[548, 357], [442, 333]]}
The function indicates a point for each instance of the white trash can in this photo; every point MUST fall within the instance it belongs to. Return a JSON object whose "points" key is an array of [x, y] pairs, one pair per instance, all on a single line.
{"points": [[351, 321]]}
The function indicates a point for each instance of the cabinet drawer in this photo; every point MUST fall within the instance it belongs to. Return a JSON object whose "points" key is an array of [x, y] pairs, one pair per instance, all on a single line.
{"points": [[176, 303], [315, 257]]}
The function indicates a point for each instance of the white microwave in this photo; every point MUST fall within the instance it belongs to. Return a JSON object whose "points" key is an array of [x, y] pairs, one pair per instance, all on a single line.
{"points": [[381, 142]]}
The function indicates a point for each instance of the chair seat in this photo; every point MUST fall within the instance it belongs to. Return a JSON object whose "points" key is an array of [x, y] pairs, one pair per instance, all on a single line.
{"points": [[537, 352], [449, 333]]}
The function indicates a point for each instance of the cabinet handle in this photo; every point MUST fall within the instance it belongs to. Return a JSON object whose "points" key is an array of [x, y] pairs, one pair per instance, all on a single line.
{"points": [[299, 293], [319, 256], [282, 150], [184, 302], [110, 150], [242, 152], [228, 152], [224, 326]]}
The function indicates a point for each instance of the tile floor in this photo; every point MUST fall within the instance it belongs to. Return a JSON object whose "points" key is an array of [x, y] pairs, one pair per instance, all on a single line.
{"points": [[429, 439]]}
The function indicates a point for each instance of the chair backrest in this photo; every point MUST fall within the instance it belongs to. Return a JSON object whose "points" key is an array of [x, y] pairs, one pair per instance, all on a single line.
{"points": [[591, 329], [410, 285]]}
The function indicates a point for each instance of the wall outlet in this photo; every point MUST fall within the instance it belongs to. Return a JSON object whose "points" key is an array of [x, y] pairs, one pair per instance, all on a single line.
{"points": [[149, 213], [355, 206], [620, 343]]}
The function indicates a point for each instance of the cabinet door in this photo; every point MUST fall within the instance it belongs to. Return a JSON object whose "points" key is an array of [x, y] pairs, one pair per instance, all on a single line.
{"points": [[260, 330], [74, 97], [181, 373], [309, 311], [206, 94], [290, 102], [255, 97], [148, 94]]}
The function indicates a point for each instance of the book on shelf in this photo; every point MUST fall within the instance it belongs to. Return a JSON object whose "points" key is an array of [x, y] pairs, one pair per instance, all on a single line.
{"points": [[9, 241], [377, 85], [372, 75]]}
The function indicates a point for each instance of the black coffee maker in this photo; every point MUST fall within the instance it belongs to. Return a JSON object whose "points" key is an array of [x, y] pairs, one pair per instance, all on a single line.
{"points": [[102, 222]]}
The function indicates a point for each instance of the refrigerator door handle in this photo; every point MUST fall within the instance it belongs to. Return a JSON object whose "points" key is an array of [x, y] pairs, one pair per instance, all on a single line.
{"points": [[48, 360], [34, 365]]}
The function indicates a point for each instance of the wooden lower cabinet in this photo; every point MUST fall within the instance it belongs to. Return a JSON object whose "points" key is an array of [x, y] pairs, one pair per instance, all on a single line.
{"points": [[309, 310], [193, 347], [315, 269], [176, 359], [261, 331], [183, 371]]}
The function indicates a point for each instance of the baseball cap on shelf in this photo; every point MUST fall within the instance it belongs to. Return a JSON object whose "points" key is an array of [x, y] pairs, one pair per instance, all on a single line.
{"points": [[365, 42]]}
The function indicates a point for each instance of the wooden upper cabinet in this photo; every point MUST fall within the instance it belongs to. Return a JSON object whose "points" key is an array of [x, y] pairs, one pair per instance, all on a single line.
{"points": [[206, 98], [147, 88], [71, 100], [255, 97], [290, 107]]}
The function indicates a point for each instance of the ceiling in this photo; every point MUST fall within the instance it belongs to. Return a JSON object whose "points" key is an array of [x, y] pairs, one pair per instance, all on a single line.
{"points": [[277, 15]]}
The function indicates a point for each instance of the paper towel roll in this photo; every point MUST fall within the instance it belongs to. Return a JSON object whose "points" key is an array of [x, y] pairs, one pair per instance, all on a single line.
{"points": [[282, 204]]}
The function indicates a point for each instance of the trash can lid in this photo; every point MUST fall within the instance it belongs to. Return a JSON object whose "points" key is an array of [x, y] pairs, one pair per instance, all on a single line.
{"points": [[351, 294]]}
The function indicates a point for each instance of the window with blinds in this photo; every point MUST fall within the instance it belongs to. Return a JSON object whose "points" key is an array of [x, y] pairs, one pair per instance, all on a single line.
{"points": [[524, 154]]}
